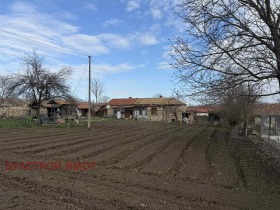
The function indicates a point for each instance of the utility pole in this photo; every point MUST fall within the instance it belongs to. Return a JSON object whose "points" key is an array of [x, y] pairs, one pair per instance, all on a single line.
{"points": [[89, 90]]}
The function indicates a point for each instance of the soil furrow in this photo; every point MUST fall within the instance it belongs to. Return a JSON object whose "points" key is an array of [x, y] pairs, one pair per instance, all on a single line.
{"points": [[195, 164], [167, 159], [137, 158], [117, 153]]}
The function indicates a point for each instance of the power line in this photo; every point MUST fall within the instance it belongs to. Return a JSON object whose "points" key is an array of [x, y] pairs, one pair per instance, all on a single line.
{"points": [[65, 50], [80, 79], [59, 48]]}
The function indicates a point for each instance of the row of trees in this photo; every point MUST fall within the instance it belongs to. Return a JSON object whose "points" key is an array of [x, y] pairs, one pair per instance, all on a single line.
{"points": [[37, 83], [230, 52]]}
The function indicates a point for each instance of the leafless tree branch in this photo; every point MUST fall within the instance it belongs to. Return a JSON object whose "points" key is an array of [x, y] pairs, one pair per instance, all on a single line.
{"points": [[236, 40]]}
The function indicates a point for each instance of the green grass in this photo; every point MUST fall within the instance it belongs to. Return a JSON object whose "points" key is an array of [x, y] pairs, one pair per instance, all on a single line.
{"points": [[16, 122], [27, 122]]}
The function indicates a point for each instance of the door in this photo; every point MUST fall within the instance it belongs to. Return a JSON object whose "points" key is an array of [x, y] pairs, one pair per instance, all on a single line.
{"points": [[128, 114]]}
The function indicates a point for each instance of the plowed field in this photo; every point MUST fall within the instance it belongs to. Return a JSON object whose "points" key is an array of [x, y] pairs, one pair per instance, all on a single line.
{"points": [[139, 165]]}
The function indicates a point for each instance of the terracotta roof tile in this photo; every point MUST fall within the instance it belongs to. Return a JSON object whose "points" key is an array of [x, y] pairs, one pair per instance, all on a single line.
{"points": [[158, 101], [200, 109], [267, 109], [145, 101], [83, 105], [122, 101]]}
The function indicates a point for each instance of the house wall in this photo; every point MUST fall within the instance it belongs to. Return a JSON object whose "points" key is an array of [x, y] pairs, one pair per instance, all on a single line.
{"points": [[162, 113], [179, 116], [14, 111], [19, 111], [173, 113], [137, 115], [158, 116], [68, 112], [110, 112]]}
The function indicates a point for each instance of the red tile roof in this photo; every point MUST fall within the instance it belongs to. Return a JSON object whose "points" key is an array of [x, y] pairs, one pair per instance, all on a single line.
{"points": [[267, 109], [122, 101], [62, 101], [144, 101], [202, 109], [83, 105], [158, 101]]}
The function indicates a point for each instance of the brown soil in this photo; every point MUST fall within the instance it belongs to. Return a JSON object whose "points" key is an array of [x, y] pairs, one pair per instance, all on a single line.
{"points": [[139, 165]]}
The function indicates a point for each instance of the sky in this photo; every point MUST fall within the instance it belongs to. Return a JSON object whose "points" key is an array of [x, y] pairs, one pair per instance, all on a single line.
{"points": [[129, 41]]}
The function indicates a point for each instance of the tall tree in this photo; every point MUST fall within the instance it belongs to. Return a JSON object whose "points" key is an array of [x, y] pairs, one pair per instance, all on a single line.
{"points": [[236, 38], [39, 83], [98, 90]]}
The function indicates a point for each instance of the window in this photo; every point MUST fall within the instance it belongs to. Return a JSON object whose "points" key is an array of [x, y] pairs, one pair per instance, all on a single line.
{"points": [[154, 111], [140, 112]]}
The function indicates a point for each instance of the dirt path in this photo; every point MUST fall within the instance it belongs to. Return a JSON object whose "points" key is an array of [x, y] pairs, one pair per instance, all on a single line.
{"points": [[147, 166]]}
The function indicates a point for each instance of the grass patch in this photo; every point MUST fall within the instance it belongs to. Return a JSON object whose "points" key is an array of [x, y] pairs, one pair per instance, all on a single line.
{"points": [[16, 122], [28, 122]]}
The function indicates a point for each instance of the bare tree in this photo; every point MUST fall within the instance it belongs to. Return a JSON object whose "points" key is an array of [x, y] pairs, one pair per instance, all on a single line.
{"points": [[237, 105], [236, 38], [98, 90], [5, 92], [39, 83], [104, 99]]}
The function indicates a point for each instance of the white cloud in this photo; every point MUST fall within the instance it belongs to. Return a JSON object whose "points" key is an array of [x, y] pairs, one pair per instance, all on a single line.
{"points": [[156, 13], [164, 65], [167, 50], [28, 21], [132, 5], [115, 40], [89, 6], [163, 10], [85, 44], [94, 45], [108, 68], [112, 22], [23, 7], [148, 39]]}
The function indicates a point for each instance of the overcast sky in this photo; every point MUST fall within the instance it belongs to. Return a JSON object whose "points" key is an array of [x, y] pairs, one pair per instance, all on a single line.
{"points": [[128, 41]]}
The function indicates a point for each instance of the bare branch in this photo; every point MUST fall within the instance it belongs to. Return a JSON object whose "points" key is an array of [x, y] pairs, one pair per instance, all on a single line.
{"points": [[235, 40]]}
